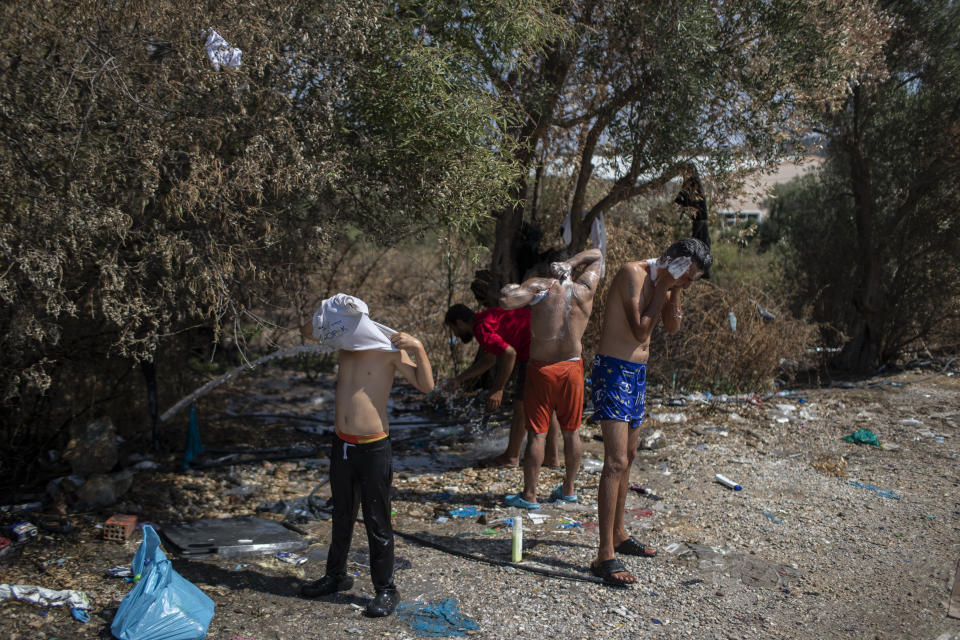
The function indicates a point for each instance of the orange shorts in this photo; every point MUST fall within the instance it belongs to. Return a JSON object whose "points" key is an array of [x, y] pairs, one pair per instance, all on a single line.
{"points": [[553, 386]]}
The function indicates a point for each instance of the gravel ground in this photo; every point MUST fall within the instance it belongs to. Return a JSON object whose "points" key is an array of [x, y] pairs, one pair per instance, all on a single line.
{"points": [[799, 552]]}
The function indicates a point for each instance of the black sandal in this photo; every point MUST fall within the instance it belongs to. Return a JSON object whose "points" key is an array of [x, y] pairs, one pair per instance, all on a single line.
{"points": [[608, 568], [633, 547]]}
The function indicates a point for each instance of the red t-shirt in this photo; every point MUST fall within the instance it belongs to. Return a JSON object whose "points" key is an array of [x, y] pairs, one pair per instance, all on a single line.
{"points": [[496, 328]]}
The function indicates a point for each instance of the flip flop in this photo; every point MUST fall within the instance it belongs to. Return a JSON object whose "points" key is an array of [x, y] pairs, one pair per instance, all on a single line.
{"points": [[515, 500], [557, 495], [606, 570], [633, 547]]}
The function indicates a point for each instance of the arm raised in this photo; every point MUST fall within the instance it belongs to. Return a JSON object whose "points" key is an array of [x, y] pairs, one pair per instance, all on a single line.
{"points": [[642, 313], [417, 371], [514, 296]]}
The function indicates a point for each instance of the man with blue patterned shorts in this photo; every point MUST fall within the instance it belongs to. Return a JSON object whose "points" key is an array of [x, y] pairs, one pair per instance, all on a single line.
{"points": [[641, 294]]}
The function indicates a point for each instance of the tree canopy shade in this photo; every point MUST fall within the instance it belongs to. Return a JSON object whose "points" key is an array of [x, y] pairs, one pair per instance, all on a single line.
{"points": [[657, 90], [142, 190], [874, 241]]}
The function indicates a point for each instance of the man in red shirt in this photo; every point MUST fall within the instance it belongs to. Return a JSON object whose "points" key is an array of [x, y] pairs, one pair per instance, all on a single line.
{"points": [[504, 337]]}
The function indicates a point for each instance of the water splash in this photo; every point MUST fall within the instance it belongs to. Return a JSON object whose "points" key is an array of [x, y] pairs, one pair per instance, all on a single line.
{"points": [[216, 382]]}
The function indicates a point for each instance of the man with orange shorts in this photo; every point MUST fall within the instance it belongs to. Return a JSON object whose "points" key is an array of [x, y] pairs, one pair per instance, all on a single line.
{"points": [[559, 310]]}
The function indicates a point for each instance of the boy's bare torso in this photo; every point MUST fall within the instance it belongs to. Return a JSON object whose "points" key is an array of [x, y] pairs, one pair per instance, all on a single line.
{"points": [[364, 380], [617, 339], [558, 321]]}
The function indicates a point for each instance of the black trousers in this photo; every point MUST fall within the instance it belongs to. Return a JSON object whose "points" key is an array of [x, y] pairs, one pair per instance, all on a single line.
{"points": [[362, 474]]}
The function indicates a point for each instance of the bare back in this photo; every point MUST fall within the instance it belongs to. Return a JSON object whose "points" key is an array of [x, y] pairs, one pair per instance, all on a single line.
{"points": [[557, 322], [630, 293], [364, 380]]}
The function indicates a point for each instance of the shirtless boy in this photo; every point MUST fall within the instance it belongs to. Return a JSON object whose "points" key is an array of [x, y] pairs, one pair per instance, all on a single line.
{"points": [[640, 294], [361, 469], [559, 310]]}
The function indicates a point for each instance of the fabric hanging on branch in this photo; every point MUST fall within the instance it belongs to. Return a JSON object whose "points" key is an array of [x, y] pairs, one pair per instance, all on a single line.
{"points": [[598, 237]]}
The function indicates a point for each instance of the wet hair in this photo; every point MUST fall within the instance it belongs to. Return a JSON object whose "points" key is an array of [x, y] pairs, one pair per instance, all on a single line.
{"points": [[458, 312], [695, 249]]}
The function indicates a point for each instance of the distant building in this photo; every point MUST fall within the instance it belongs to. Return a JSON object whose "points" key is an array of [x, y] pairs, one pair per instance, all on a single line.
{"points": [[752, 205]]}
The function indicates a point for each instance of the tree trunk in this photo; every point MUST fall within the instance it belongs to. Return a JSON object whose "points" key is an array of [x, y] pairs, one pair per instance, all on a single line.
{"points": [[862, 353]]}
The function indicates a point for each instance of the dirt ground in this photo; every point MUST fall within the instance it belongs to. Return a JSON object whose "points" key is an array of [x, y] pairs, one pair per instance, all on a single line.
{"points": [[826, 539]]}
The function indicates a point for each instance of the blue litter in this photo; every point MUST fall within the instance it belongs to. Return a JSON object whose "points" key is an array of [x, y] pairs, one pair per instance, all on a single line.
{"points": [[194, 446], [570, 525], [465, 512], [884, 493], [80, 614], [769, 516], [163, 605], [436, 620]]}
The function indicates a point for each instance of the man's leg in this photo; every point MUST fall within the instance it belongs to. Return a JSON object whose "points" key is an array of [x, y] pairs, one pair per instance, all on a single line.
{"points": [[616, 439], [532, 462], [345, 494], [551, 455], [375, 483], [572, 452], [619, 530]]}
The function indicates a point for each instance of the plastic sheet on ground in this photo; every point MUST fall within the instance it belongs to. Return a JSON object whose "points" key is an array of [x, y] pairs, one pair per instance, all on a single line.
{"points": [[436, 620], [44, 596]]}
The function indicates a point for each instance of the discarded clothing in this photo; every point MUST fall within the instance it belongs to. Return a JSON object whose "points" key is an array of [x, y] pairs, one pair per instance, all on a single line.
{"points": [[883, 493], [436, 620], [863, 436], [301, 509], [194, 445], [220, 52], [44, 596], [343, 322]]}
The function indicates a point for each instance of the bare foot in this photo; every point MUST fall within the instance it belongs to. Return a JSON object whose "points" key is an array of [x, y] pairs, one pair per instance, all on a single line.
{"points": [[499, 461]]}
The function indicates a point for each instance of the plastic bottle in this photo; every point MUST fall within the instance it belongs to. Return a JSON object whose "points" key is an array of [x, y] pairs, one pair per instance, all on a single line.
{"points": [[517, 550], [727, 482]]}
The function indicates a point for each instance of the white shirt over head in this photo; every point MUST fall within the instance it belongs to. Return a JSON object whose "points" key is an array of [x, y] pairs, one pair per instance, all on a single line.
{"points": [[343, 322]]}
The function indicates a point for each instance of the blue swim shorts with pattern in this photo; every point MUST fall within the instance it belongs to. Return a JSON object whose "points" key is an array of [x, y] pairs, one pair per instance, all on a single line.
{"points": [[619, 390]]}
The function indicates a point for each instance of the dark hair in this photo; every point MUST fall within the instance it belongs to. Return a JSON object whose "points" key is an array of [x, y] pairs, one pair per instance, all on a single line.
{"points": [[458, 312], [695, 249]]}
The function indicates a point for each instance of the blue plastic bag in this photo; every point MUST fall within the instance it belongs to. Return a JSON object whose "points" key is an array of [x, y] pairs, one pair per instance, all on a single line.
{"points": [[163, 605]]}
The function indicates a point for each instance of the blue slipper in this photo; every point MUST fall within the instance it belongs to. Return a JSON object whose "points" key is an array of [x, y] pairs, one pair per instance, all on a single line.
{"points": [[557, 495], [515, 500]]}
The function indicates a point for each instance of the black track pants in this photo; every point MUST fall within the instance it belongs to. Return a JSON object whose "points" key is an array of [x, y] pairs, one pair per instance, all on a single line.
{"points": [[362, 474]]}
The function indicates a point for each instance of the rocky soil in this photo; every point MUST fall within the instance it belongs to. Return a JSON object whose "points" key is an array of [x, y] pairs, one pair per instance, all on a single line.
{"points": [[826, 539]]}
